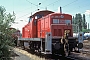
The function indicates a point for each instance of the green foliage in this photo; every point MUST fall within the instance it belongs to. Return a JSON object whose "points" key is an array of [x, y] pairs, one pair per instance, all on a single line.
{"points": [[84, 22], [86, 30], [5, 33], [80, 21]]}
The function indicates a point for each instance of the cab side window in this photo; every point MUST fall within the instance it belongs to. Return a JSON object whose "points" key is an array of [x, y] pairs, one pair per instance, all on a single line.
{"points": [[29, 20]]}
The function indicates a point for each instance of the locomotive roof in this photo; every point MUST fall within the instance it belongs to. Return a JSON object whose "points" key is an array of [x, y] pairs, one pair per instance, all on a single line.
{"points": [[61, 13], [43, 11]]}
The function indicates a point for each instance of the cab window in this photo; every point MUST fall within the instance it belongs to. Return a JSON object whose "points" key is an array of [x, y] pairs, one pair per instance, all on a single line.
{"points": [[68, 22], [38, 16], [55, 21], [29, 19]]}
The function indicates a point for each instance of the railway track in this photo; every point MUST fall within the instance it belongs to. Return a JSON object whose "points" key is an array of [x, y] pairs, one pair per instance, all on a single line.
{"points": [[84, 55], [36, 56]]}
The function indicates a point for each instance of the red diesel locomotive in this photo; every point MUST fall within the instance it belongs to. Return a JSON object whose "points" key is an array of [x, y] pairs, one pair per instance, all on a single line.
{"points": [[47, 21], [44, 32]]}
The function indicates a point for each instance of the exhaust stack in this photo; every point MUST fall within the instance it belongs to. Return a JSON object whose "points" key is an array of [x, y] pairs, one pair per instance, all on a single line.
{"points": [[60, 10]]}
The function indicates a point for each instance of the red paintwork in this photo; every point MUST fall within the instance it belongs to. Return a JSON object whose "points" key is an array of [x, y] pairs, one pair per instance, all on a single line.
{"points": [[44, 25], [30, 30]]}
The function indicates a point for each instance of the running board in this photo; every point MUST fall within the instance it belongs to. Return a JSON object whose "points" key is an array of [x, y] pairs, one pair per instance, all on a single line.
{"points": [[29, 39], [46, 52]]}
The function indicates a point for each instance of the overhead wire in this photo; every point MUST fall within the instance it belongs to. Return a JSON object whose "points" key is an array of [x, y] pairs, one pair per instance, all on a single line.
{"points": [[30, 7], [81, 7], [75, 8], [50, 4], [53, 3], [37, 6], [44, 1], [26, 14], [34, 4], [31, 3], [70, 3]]}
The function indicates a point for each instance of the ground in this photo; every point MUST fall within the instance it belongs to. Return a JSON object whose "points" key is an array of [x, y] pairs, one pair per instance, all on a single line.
{"points": [[84, 53], [16, 55]]}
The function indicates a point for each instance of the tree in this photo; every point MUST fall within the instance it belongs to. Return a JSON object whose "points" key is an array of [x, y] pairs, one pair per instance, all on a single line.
{"points": [[80, 21], [84, 22], [6, 19], [74, 26], [73, 21]]}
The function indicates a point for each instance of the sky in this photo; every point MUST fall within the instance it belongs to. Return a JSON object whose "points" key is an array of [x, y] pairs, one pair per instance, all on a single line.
{"points": [[23, 8]]}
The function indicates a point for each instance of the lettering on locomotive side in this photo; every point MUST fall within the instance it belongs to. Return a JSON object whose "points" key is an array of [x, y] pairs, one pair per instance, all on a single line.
{"points": [[61, 16], [57, 21]]}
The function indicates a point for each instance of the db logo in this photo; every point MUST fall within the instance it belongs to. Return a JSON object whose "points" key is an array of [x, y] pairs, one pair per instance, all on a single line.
{"points": [[61, 16]]}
